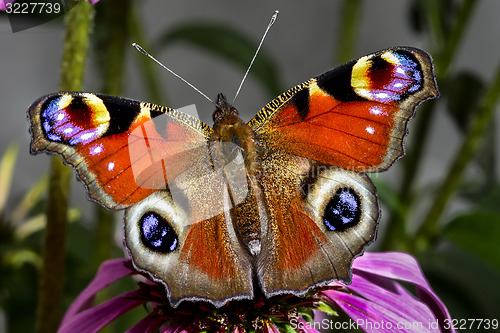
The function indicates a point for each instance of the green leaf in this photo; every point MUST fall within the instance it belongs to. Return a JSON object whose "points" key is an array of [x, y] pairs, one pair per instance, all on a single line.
{"points": [[466, 284], [39, 222], [19, 257], [326, 308], [229, 44], [6, 172], [29, 200], [483, 197], [417, 16], [287, 328], [489, 201], [307, 316], [464, 91], [432, 16], [478, 233], [390, 197]]}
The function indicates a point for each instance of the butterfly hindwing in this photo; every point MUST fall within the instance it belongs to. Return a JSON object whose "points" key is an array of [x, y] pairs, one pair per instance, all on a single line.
{"points": [[320, 219], [199, 261], [110, 140], [353, 116], [142, 156]]}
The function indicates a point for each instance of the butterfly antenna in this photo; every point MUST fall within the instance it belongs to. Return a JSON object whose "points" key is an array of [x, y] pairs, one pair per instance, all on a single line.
{"points": [[140, 49], [273, 19]]}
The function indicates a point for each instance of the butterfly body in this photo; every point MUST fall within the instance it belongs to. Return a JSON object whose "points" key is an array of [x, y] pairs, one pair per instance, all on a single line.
{"points": [[281, 203], [229, 128]]}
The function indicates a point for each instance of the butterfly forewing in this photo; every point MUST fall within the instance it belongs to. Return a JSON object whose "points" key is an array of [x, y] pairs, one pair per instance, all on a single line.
{"points": [[103, 137], [353, 116]]}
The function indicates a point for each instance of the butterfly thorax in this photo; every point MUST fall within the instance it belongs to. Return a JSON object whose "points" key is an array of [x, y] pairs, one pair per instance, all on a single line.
{"points": [[229, 128]]}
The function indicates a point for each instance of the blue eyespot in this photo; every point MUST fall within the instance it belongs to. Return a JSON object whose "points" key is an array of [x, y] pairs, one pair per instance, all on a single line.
{"points": [[343, 210], [74, 119], [157, 234]]}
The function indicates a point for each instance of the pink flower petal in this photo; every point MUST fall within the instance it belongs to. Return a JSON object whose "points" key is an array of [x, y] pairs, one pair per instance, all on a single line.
{"points": [[175, 329], [372, 317], [272, 329], [379, 303], [392, 265], [402, 266], [93, 319], [109, 272], [147, 324], [393, 297], [3, 3]]}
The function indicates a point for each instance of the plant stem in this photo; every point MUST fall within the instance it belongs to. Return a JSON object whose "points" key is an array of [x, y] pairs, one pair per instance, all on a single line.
{"points": [[157, 95], [443, 59], [78, 21], [453, 39], [113, 18], [348, 29], [112, 23], [443, 62], [472, 141], [7, 167], [435, 23]]}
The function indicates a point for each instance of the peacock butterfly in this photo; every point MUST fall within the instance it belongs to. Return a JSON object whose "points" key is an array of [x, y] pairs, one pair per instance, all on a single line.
{"points": [[280, 204]]}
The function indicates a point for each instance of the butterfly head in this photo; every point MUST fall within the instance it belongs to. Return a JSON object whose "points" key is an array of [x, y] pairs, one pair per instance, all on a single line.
{"points": [[228, 127], [224, 111]]}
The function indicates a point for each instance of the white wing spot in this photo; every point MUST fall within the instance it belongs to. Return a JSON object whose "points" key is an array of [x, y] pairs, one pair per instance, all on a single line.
{"points": [[382, 95], [375, 110], [97, 150], [86, 136]]}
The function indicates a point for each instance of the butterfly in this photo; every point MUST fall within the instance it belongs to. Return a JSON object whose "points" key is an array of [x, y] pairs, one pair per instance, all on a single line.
{"points": [[280, 204]]}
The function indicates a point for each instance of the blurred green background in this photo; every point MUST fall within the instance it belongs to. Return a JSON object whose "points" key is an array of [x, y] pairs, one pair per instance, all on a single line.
{"points": [[441, 202]]}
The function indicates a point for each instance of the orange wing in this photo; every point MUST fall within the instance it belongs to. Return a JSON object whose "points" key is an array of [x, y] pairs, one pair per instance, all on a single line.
{"points": [[110, 141], [318, 139], [316, 224], [353, 116], [200, 261]]}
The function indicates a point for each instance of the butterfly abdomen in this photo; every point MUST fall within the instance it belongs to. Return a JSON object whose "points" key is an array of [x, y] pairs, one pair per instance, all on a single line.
{"points": [[235, 152]]}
